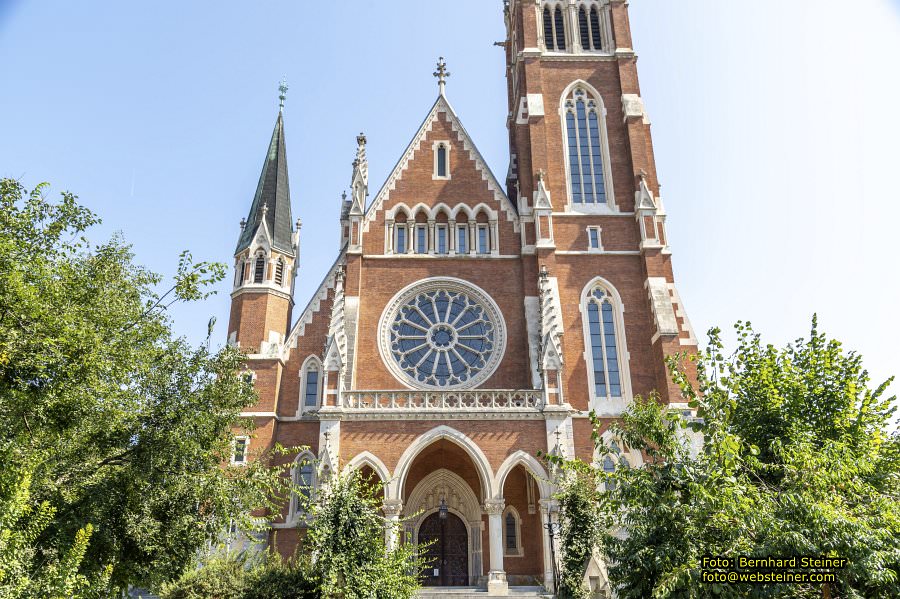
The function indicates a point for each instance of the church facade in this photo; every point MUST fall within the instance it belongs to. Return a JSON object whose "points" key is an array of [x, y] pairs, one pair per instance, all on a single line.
{"points": [[468, 324]]}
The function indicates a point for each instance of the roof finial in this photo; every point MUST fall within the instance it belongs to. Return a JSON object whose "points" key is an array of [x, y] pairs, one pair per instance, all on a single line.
{"points": [[282, 87], [441, 73]]}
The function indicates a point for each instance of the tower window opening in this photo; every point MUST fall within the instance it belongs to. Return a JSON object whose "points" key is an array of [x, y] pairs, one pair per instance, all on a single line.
{"points": [[596, 36], [559, 29], [242, 272], [589, 29], [279, 272], [554, 29], [259, 269]]}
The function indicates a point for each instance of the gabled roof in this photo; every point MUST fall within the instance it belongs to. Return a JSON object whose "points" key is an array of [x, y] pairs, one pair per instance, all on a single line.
{"points": [[442, 105], [272, 202]]}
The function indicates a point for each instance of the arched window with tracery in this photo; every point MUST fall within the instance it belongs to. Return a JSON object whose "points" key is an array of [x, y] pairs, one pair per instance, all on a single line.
{"points": [[554, 27], [586, 146], [605, 345], [304, 477]]}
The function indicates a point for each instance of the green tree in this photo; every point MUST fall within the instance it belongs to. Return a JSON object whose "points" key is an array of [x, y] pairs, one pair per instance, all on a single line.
{"points": [[346, 542], [124, 428], [796, 460]]}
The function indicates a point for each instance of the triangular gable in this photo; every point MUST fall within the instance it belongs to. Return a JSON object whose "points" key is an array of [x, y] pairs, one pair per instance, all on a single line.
{"points": [[441, 105]]}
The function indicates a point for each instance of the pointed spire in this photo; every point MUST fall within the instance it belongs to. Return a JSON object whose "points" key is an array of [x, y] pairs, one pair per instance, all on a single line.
{"points": [[271, 207], [441, 73]]}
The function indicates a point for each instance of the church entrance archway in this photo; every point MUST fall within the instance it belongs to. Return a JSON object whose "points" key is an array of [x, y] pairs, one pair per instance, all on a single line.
{"points": [[447, 553]]}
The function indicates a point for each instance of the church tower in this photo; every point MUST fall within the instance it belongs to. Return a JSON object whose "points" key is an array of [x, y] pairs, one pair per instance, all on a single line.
{"points": [[583, 175], [265, 257]]}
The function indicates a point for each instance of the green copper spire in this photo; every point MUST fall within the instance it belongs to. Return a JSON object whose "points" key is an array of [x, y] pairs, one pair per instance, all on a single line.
{"points": [[271, 205]]}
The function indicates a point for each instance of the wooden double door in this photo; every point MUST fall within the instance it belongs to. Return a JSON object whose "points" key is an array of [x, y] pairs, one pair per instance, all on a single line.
{"points": [[447, 556]]}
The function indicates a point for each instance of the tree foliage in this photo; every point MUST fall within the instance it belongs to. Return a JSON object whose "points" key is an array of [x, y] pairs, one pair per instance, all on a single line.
{"points": [[121, 428], [796, 460], [346, 542]]}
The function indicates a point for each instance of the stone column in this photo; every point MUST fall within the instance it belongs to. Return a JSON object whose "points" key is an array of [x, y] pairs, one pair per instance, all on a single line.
{"points": [[497, 584], [451, 236], [392, 509]]}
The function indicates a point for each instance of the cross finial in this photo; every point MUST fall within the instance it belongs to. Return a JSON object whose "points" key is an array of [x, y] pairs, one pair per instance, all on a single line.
{"points": [[441, 73], [282, 88]]}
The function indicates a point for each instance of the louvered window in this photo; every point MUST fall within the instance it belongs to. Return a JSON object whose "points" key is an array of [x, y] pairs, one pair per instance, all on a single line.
{"points": [[279, 273], [259, 270], [589, 28], [554, 28]]}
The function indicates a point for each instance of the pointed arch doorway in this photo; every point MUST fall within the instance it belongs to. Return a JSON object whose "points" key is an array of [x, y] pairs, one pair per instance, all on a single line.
{"points": [[447, 555]]}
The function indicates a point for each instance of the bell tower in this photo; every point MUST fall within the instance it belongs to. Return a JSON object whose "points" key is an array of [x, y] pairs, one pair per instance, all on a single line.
{"points": [[583, 175], [265, 258]]}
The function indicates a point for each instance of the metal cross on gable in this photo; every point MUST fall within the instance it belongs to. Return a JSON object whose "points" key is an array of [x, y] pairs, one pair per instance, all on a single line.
{"points": [[441, 73]]}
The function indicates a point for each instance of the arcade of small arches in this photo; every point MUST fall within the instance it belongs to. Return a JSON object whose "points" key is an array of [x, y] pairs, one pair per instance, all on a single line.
{"points": [[442, 231]]}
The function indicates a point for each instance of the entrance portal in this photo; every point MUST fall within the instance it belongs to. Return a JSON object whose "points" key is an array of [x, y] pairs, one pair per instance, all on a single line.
{"points": [[446, 559]]}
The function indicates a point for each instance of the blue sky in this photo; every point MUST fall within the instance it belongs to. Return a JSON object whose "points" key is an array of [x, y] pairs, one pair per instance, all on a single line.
{"points": [[775, 128]]}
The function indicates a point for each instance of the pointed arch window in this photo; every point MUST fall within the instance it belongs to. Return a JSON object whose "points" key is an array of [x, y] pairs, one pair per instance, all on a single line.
{"points": [[586, 146], [607, 366], [304, 477], [259, 269], [311, 385], [554, 28], [512, 532], [242, 272]]}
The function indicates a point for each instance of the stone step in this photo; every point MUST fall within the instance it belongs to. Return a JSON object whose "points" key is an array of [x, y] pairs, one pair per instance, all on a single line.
{"points": [[480, 593]]}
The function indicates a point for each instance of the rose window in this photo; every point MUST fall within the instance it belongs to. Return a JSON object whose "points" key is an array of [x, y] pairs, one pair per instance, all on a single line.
{"points": [[443, 334]]}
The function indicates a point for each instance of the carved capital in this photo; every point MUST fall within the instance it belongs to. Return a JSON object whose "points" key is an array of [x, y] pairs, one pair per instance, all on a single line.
{"points": [[494, 507], [392, 508]]}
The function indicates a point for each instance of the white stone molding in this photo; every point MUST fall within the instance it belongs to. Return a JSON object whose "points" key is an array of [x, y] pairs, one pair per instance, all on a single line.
{"points": [[633, 107], [551, 324], [315, 304], [661, 304], [681, 313], [482, 465], [533, 326], [532, 466], [442, 106], [367, 458]]}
